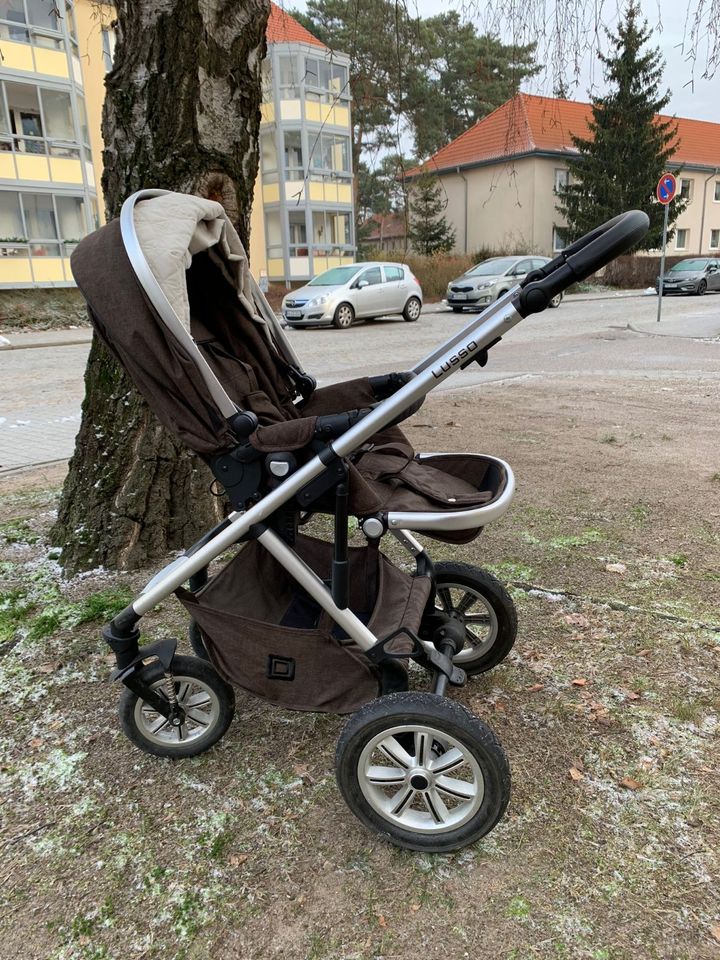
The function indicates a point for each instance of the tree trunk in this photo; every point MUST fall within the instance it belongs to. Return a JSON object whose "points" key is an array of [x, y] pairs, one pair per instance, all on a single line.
{"points": [[182, 112]]}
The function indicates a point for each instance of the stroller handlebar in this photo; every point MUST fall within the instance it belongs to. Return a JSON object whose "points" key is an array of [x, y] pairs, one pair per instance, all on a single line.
{"points": [[581, 259]]}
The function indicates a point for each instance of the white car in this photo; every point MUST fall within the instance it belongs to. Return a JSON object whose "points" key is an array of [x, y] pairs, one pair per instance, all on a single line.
{"points": [[490, 279], [358, 291]]}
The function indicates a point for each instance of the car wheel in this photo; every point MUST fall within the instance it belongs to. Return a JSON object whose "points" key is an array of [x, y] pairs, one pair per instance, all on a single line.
{"points": [[556, 300], [412, 310], [701, 288], [344, 316], [501, 294]]}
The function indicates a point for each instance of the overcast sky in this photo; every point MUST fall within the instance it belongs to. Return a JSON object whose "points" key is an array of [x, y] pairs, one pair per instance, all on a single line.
{"points": [[692, 96]]}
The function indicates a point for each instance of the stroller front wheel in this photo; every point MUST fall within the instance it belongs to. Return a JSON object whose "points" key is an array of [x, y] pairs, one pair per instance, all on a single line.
{"points": [[422, 771], [486, 609], [208, 705]]}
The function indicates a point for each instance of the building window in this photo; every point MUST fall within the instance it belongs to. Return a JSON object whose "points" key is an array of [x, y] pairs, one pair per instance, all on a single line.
{"points": [[559, 242], [273, 234], [715, 239], [717, 191], [294, 166], [268, 158], [16, 16], [289, 87], [562, 178], [331, 233], [681, 239], [39, 120], [109, 40], [686, 190], [11, 224], [330, 154], [42, 221], [329, 80], [297, 233]]}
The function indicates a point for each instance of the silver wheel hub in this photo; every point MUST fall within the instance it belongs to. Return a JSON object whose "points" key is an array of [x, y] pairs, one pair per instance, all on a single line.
{"points": [[476, 614], [200, 706], [421, 779]]}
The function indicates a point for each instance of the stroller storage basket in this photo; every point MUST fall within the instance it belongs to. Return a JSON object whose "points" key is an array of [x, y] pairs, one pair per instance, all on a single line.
{"points": [[266, 635]]}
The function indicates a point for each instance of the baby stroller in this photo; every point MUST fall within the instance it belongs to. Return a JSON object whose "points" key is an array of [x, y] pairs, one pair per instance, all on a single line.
{"points": [[302, 622]]}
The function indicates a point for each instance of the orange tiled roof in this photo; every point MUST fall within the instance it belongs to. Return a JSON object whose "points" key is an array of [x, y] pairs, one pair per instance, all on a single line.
{"points": [[386, 226], [282, 28], [529, 123]]}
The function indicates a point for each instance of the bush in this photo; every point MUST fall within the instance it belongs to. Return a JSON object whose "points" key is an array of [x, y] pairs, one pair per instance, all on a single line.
{"points": [[636, 272]]}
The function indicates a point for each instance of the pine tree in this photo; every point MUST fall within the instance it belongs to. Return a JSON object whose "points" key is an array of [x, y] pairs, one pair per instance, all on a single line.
{"points": [[628, 148], [429, 230]]}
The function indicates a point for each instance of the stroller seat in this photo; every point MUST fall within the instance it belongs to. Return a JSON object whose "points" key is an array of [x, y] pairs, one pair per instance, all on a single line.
{"points": [[449, 496]]}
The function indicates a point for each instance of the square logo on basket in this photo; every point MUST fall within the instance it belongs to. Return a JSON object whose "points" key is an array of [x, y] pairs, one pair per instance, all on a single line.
{"points": [[280, 668]]}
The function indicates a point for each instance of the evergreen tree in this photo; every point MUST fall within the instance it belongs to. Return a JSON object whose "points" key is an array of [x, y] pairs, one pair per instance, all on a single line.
{"points": [[429, 230], [628, 147]]}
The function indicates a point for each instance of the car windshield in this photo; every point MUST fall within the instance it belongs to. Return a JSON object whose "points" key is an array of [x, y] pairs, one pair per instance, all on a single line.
{"points": [[335, 277], [689, 266], [492, 268]]}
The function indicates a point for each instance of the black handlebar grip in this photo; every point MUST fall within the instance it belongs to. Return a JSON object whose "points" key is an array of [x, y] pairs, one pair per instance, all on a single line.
{"points": [[581, 259]]}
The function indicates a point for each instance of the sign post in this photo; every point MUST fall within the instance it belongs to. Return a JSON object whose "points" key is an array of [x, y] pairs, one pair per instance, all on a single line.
{"points": [[665, 191]]}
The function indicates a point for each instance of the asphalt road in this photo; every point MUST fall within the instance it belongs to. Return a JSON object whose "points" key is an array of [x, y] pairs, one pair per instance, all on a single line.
{"points": [[41, 389]]}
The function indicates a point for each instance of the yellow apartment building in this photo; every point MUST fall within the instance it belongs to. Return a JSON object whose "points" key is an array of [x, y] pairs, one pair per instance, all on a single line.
{"points": [[55, 56], [48, 197]]}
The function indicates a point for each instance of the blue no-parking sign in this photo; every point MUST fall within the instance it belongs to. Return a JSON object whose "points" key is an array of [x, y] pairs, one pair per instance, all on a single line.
{"points": [[667, 185]]}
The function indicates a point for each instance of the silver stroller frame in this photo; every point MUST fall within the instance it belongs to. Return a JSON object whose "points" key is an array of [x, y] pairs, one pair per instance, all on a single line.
{"points": [[471, 343]]}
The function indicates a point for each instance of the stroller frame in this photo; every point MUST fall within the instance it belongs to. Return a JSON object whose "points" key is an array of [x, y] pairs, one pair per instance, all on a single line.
{"points": [[468, 345]]}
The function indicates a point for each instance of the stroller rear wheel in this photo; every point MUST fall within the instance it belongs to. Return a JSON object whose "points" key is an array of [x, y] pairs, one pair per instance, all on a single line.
{"points": [[480, 601], [207, 701], [423, 771]]}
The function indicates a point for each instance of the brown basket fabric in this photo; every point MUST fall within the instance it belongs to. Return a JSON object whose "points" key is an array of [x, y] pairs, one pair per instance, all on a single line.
{"points": [[264, 634]]}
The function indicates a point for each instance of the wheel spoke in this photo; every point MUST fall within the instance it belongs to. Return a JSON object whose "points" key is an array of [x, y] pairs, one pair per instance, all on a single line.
{"points": [[198, 716], [483, 618], [421, 748], [158, 725], [201, 699], [445, 598], [392, 749], [466, 602], [434, 802], [181, 731], [384, 776], [460, 789], [450, 760], [182, 691], [402, 800]]}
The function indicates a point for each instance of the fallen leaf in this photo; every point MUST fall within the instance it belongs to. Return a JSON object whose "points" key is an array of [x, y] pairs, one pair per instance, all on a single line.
{"points": [[632, 695], [499, 706], [36, 742], [715, 931], [535, 687], [615, 567], [630, 784], [48, 667], [576, 620], [414, 907], [238, 858], [575, 774], [382, 921], [645, 653], [300, 769], [580, 682]]}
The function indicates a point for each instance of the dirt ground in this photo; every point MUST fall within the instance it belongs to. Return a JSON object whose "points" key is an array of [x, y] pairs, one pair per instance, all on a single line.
{"points": [[607, 708]]}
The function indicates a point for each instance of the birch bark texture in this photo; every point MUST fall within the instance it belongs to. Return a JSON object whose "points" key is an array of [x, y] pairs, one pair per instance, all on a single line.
{"points": [[181, 112]]}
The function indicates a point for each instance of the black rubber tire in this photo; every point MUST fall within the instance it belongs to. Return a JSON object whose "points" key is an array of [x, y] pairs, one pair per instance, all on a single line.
{"points": [[501, 294], [702, 287], [406, 311], [556, 301], [339, 321], [195, 669], [484, 583], [458, 309], [447, 717], [196, 641]]}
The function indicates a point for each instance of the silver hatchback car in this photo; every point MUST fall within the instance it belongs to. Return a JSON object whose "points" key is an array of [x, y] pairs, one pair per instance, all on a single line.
{"points": [[358, 291], [486, 281]]}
